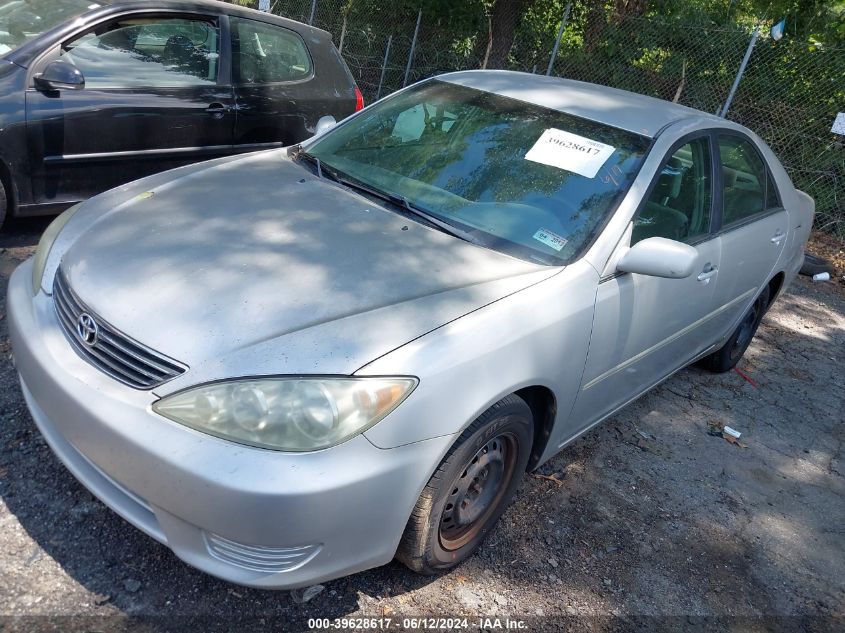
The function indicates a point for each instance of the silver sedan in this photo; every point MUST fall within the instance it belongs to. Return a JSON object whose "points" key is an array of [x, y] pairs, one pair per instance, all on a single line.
{"points": [[294, 365]]}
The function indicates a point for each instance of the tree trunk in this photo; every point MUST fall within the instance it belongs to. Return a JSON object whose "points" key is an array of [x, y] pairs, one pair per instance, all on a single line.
{"points": [[504, 19], [594, 25]]}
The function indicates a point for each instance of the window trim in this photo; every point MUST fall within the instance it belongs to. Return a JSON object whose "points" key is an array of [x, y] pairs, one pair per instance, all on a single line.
{"points": [[223, 68], [720, 228], [291, 82], [715, 190]]}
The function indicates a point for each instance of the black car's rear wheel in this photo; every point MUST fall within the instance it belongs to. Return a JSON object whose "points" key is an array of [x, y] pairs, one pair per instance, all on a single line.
{"points": [[725, 358], [470, 489]]}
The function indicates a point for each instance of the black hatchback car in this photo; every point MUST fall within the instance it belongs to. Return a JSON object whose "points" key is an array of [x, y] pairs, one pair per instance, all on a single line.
{"points": [[96, 93]]}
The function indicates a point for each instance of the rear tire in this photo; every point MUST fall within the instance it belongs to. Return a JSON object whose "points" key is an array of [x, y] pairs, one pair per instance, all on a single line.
{"points": [[726, 358], [813, 265], [470, 489]]}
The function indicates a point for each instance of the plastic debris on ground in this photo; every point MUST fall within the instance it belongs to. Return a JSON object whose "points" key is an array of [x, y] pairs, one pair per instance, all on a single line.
{"points": [[717, 429]]}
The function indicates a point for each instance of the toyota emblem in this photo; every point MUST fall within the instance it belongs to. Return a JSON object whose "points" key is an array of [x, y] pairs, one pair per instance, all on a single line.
{"points": [[86, 329]]}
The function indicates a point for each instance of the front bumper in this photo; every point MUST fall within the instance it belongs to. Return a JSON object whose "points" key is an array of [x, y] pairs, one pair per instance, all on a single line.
{"points": [[251, 516]]}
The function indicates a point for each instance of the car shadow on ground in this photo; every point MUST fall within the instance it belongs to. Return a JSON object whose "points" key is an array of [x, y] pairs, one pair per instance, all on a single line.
{"points": [[19, 232]]}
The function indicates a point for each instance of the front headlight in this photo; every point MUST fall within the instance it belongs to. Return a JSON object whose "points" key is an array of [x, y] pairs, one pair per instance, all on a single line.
{"points": [[287, 413], [45, 244]]}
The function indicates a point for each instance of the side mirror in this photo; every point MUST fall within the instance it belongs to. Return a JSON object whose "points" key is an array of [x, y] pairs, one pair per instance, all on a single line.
{"points": [[60, 75], [324, 124], [659, 257]]}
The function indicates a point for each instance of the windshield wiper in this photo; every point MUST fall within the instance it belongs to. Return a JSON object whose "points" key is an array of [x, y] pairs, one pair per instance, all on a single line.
{"points": [[409, 207], [296, 153], [432, 219]]}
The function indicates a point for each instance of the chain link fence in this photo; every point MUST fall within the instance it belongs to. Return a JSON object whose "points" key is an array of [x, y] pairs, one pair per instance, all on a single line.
{"points": [[789, 93]]}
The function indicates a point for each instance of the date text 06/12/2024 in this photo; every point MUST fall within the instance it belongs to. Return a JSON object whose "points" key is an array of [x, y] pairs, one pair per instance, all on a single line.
{"points": [[417, 624]]}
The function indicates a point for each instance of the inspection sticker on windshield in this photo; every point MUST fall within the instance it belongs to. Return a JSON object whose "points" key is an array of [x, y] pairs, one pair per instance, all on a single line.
{"points": [[571, 152], [550, 239]]}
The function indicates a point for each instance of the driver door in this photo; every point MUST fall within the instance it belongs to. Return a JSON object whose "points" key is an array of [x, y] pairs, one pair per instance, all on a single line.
{"points": [[156, 96], [646, 327]]}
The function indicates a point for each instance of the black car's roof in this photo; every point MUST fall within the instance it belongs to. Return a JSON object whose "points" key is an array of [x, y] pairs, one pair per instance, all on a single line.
{"points": [[213, 5]]}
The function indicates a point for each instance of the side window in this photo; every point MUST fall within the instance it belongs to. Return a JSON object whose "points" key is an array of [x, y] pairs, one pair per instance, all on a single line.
{"points": [[679, 207], [748, 189], [266, 54], [147, 52]]}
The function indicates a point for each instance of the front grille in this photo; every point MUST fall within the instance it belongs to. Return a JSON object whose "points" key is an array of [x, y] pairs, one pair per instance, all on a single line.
{"points": [[257, 558], [112, 352]]}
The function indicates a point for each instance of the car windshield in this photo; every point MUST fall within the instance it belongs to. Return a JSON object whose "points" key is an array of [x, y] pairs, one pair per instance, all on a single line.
{"points": [[22, 20], [531, 182]]}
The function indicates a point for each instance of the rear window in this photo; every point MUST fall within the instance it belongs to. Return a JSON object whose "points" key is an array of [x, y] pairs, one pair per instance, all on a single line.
{"points": [[266, 54]]}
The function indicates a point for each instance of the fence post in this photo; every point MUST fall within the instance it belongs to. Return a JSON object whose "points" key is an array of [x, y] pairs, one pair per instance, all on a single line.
{"points": [[559, 35], [342, 35], [384, 66], [413, 46], [313, 11], [724, 109]]}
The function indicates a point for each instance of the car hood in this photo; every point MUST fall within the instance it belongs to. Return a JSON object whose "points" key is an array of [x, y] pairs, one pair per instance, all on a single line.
{"points": [[258, 266]]}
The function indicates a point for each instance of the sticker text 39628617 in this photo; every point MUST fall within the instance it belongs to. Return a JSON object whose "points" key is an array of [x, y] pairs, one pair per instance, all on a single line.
{"points": [[564, 150]]}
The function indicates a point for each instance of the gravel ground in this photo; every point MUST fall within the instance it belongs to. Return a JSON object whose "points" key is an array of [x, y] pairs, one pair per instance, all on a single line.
{"points": [[645, 521]]}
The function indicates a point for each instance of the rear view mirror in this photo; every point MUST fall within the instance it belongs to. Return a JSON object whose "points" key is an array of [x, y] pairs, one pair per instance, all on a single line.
{"points": [[324, 124], [659, 257], [60, 75]]}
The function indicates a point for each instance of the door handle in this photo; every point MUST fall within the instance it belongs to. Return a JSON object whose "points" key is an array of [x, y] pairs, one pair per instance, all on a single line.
{"points": [[708, 273], [218, 109], [777, 238]]}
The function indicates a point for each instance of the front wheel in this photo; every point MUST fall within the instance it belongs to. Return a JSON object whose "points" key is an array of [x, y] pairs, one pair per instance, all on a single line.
{"points": [[470, 489], [726, 358]]}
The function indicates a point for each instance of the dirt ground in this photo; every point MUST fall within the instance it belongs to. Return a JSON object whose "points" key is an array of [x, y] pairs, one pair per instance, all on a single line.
{"points": [[646, 522]]}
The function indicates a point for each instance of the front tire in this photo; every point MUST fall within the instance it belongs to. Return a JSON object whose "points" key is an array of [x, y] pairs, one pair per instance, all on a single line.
{"points": [[726, 358], [470, 489]]}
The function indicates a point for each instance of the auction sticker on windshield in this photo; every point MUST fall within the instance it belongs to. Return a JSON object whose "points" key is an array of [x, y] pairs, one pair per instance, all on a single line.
{"points": [[571, 152]]}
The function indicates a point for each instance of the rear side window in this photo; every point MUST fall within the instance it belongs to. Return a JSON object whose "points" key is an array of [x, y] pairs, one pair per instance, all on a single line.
{"points": [[147, 52], [748, 189], [266, 54], [680, 203]]}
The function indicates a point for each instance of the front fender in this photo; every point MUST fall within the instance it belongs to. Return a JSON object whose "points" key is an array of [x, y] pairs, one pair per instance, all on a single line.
{"points": [[536, 337]]}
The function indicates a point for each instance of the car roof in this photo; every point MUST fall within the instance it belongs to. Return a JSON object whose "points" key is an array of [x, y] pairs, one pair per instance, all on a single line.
{"points": [[216, 6], [611, 106]]}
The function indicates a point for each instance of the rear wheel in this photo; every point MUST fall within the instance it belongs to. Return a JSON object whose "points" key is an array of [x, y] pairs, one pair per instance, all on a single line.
{"points": [[726, 358], [470, 489]]}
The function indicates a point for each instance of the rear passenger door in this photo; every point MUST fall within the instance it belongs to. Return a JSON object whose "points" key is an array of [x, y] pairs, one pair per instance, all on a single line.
{"points": [[283, 87], [753, 222]]}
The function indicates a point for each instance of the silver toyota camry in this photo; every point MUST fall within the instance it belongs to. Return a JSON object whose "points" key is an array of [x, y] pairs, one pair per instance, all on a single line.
{"points": [[298, 364]]}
